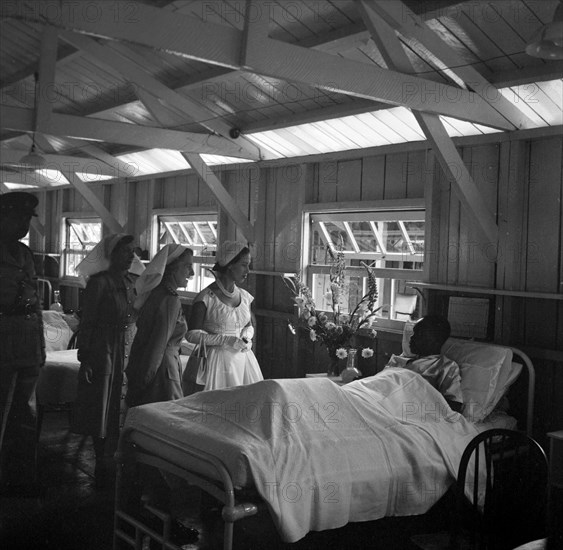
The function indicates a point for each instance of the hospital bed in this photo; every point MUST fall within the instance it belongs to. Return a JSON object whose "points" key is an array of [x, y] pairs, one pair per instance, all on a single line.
{"points": [[314, 454]]}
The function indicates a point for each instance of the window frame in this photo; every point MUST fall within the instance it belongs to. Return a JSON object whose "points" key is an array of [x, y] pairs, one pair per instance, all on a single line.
{"points": [[65, 228], [385, 210], [194, 214]]}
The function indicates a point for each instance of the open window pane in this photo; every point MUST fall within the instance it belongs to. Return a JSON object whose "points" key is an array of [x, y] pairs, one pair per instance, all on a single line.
{"points": [[81, 236], [392, 242], [198, 232]]}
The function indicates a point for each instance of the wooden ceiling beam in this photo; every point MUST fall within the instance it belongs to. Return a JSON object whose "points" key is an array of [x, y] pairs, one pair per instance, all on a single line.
{"points": [[46, 78], [225, 200], [96, 129], [11, 157], [188, 36], [129, 64], [400, 18], [106, 216], [450, 160]]}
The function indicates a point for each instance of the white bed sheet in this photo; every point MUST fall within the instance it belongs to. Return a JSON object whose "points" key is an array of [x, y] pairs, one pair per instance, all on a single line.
{"points": [[58, 378], [321, 455]]}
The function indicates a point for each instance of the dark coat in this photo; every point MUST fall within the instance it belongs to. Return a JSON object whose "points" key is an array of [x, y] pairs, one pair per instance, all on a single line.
{"points": [[107, 328], [154, 371]]}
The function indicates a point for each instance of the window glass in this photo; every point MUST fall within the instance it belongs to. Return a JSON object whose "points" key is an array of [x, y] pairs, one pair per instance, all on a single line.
{"points": [[81, 236], [198, 232], [392, 242]]}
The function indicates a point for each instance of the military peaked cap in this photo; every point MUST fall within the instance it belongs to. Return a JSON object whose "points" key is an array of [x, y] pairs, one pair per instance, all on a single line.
{"points": [[18, 202]]}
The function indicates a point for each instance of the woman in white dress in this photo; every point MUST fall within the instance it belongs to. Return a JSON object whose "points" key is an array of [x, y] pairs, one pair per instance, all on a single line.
{"points": [[222, 318]]}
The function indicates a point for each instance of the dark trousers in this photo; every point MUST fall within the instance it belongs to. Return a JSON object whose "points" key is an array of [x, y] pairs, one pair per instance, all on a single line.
{"points": [[18, 419]]}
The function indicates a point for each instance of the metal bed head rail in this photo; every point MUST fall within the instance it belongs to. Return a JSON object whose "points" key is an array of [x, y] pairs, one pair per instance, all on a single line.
{"points": [[223, 490], [531, 388]]}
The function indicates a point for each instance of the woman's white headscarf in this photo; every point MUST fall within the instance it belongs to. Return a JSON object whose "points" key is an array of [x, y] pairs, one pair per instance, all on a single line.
{"points": [[152, 275], [227, 251], [98, 259]]}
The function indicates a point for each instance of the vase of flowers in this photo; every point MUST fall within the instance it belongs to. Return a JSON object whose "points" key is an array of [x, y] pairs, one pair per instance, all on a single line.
{"points": [[335, 330]]}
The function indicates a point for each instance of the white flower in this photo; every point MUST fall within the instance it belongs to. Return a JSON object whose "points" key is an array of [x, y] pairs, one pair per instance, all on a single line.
{"points": [[341, 353], [299, 301], [373, 333], [362, 309], [313, 335], [306, 314], [312, 321], [330, 325], [367, 352]]}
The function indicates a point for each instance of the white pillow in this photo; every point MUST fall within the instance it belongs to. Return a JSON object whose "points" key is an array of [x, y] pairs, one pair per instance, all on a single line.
{"points": [[56, 330], [487, 369], [478, 388]]}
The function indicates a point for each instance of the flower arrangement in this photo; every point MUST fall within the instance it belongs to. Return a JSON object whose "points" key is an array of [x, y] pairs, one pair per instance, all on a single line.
{"points": [[337, 331]]}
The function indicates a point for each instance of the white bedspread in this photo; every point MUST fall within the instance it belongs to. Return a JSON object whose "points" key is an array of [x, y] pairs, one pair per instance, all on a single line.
{"points": [[323, 455]]}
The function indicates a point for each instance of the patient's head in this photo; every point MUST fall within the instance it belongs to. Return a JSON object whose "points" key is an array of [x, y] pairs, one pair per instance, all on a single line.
{"points": [[429, 335]]}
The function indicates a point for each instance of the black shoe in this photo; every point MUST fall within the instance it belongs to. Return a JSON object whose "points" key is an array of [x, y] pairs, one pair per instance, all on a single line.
{"points": [[183, 534], [179, 533]]}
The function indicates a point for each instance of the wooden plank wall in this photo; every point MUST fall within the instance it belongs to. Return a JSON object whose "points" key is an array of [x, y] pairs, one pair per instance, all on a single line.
{"points": [[522, 185]]}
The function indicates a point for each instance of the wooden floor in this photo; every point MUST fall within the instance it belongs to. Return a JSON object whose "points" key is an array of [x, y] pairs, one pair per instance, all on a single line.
{"points": [[74, 515]]}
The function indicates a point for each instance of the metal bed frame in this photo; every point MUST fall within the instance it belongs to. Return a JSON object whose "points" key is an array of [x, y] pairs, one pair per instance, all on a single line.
{"points": [[129, 528]]}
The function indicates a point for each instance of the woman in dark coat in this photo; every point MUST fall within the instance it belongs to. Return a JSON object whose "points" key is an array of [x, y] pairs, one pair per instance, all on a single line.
{"points": [[154, 371], [106, 332]]}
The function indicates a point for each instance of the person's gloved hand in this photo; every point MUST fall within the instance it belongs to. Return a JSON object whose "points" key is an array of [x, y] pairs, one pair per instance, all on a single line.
{"points": [[236, 343], [247, 333], [194, 336]]}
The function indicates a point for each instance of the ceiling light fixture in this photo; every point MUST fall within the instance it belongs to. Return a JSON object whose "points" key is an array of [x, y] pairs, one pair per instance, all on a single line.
{"points": [[547, 43], [33, 160]]}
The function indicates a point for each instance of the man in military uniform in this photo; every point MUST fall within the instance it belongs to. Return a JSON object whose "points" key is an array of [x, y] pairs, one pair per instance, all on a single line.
{"points": [[22, 348]]}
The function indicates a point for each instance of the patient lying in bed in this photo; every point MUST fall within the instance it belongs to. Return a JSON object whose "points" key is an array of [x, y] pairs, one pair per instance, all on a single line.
{"points": [[429, 335]]}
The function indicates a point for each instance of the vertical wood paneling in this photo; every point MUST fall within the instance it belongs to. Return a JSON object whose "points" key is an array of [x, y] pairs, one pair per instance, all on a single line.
{"points": [[192, 190], [289, 205], [544, 209], [481, 253], [327, 180], [180, 191], [453, 243], [312, 184], [466, 249], [373, 178], [396, 168], [349, 186], [417, 172], [259, 261], [432, 194], [142, 213], [512, 215]]}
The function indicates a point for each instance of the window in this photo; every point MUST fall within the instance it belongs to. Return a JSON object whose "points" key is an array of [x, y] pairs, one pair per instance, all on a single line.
{"points": [[80, 236], [198, 232], [391, 241]]}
